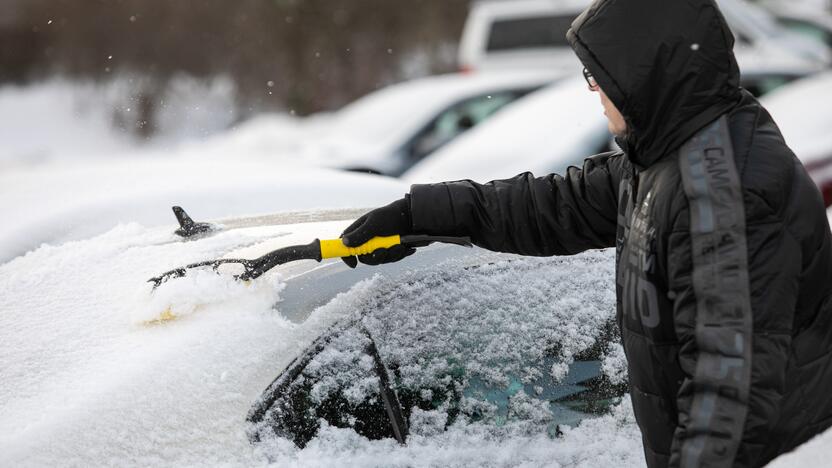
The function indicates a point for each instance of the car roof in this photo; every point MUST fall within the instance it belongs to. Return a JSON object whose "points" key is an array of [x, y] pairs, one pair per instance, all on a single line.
{"points": [[56, 203], [389, 115], [542, 132], [770, 41]]}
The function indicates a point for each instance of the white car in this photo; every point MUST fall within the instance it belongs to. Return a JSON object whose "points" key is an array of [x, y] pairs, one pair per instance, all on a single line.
{"points": [[519, 34], [56, 203], [546, 131], [389, 130], [806, 123], [501, 34], [89, 379]]}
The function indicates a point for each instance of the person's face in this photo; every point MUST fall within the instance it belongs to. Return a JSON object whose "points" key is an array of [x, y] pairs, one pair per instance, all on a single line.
{"points": [[615, 121]]}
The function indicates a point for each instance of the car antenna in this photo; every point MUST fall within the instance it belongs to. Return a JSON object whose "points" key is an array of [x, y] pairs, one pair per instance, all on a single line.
{"points": [[187, 226]]}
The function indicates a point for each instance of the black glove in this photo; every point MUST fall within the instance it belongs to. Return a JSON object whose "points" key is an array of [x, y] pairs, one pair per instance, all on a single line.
{"points": [[385, 221]]}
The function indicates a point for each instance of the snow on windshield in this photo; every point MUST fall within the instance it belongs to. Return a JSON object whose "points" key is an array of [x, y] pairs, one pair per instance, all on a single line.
{"points": [[499, 319], [492, 342], [81, 383]]}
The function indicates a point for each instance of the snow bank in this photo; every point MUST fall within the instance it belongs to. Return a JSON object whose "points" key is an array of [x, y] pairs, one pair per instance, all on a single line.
{"points": [[57, 118]]}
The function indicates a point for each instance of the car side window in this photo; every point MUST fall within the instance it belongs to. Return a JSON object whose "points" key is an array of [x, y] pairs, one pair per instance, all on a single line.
{"points": [[524, 33], [418, 357], [458, 119]]}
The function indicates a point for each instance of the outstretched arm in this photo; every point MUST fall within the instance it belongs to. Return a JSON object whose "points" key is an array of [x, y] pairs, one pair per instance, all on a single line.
{"points": [[551, 215]]}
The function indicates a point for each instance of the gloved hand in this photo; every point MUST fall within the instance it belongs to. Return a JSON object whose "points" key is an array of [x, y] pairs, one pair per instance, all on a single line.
{"points": [[385, 221]]}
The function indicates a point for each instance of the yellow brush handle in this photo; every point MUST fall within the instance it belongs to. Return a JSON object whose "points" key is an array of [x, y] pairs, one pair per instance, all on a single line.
{"points": [[335, 248]]}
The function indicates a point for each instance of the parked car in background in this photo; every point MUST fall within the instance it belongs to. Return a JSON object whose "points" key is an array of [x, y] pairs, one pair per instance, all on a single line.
{"points": [[519, 34], [801, 111], [500, 34], [546, 131], [389, 130]]}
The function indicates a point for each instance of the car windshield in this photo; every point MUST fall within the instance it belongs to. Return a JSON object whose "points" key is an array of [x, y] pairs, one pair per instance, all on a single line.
{"points": [[497, 345], [523, 33]]}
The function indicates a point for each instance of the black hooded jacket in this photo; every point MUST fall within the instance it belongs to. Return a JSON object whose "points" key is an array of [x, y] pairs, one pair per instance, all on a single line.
{"points": [[724, 253]]}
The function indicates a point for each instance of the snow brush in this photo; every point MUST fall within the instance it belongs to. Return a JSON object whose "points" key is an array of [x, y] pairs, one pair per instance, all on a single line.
{"points": [[315, 250]]}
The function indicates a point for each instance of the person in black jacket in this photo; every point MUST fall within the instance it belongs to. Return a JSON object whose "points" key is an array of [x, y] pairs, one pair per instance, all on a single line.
{"points": [[724, 252]]}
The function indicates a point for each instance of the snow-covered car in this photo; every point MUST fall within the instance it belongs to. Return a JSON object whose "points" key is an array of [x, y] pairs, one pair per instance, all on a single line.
{"points": [[490, 353], [59, 202], [546, 131], [500, 34], [389, 130], [806, 125]]}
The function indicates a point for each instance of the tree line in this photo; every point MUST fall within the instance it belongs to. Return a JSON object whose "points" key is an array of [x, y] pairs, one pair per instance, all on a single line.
{"points": [[298, 55]]}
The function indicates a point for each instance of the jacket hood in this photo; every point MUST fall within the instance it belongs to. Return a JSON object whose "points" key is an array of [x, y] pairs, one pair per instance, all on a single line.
{"points": [[668, 66]]}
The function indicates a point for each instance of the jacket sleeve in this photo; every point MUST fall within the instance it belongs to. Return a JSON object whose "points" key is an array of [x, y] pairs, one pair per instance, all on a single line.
{"points": [[734, 340], [551, 215]]}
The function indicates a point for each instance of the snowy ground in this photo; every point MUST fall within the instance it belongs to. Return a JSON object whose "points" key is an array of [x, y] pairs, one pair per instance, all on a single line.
{"points": [[58, 119]]}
